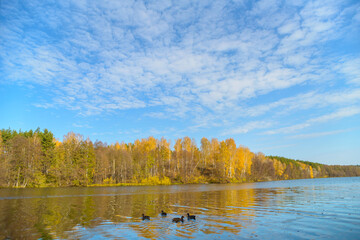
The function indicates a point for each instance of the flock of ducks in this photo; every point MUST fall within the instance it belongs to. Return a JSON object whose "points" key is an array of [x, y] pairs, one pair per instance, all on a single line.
{"points": [[175, 220]]}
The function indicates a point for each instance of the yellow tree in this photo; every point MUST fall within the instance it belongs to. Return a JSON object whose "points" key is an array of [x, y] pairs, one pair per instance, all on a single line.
{"points": [[178, 153], [195, 158], [231, 146], [117, 145], [137, 156], [311, 172], [240, 161], [248, 160], [223, 160], [187, 156], [126, 161], [279, 167], [205, 151], [164, 154], [150, 151], [215, 151], [244, 160]]}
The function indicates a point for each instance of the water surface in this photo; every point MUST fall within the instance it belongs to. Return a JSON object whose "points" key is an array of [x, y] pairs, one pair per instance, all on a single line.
{"points": [[296, 209]]}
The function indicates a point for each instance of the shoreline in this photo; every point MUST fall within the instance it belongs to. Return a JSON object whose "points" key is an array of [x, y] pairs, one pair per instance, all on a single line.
{"points": [[147, 184]]}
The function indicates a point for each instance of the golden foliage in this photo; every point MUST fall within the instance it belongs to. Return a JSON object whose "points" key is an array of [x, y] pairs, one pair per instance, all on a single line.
{"points": [[37, 159]]}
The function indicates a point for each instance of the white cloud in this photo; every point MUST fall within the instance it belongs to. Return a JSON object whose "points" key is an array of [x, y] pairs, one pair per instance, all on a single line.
{"points": [[351, 69], [81, 125], [317, 134], [278, 146], [339, 114], [192, 60], [289, 129], [303, 101], [289, 26], [248, 127]]}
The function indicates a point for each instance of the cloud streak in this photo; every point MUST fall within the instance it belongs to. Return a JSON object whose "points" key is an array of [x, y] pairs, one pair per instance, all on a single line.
{"points": [[248, 127], [207, 63], [318, 134], [338, 114]]}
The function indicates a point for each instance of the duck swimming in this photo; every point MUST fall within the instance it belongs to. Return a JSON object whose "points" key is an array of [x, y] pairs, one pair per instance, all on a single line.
{"points": [[145, 217], [191, 217], [176, 220], [163, 214]]}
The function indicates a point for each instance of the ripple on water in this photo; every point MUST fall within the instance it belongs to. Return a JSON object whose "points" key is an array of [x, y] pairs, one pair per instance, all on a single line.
{"points": [[302, 209]]}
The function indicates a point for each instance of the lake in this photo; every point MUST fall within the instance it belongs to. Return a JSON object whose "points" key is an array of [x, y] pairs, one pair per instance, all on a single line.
{"points": [[295, 209]]}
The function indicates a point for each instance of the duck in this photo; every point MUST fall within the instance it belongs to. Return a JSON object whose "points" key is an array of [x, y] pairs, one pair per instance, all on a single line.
{"points": [[176, 220], [191, 217], [163, 214], [145, 217]]}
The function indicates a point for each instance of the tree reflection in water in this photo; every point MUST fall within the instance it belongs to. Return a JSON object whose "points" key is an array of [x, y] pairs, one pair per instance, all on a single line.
{"points": [[233, 210]]}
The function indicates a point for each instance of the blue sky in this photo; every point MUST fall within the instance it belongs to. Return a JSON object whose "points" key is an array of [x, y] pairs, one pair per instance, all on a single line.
{"points": [[280, 77]]}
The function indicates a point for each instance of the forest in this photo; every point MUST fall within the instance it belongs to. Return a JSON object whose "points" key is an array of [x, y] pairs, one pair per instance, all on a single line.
{"points": [[37, 159]]}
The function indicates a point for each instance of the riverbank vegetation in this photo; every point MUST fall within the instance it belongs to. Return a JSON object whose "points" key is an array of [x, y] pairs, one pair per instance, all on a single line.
{"points": [[37, 159]]}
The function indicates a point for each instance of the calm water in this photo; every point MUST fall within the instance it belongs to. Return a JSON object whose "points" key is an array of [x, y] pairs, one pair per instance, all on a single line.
{"points": [[296, 209]]}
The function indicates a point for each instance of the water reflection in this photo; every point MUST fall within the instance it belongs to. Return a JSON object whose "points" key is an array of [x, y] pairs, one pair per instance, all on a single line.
{"points": [[292, 209]]}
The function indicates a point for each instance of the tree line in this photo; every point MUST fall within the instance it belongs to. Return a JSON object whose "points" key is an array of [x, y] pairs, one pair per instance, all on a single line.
{"points": [[37, 159]]}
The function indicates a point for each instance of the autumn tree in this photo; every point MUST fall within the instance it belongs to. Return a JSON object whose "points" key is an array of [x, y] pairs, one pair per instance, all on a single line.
{"points": [[36, 158]]}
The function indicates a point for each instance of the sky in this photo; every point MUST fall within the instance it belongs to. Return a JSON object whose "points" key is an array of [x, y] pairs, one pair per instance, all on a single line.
{"points": [[280, 77]]}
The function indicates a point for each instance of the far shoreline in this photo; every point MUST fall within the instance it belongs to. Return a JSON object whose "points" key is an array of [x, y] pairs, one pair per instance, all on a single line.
{"points": [[172, 184]]}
